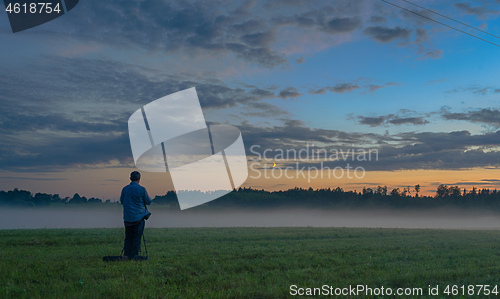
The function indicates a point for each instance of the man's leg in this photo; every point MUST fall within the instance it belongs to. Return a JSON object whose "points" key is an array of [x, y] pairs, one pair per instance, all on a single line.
{"points": [[136, 239], [129, 234]]}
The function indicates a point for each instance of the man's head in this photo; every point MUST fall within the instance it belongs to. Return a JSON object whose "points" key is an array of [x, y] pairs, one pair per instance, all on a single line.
{"points": [[135, 176]]}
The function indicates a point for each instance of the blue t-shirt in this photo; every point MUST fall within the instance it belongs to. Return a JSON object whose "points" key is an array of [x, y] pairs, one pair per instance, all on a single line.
{"points": [[134, 199]]}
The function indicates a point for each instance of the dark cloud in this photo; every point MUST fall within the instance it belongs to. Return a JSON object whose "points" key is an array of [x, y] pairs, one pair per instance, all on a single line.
{"points": [[243, 29], [421, 35], [391, 119], [377, 19], [343, 87], [385, 34], [289, 92], [321, 19], [252, 25], [245, 7], [479, 90], [57, 153], [349, 87], [374, 87], [486, 116], [454, 150], [260, 39], [318, 91], [338, 88], [434, 54], [442, 151], [484, 183], [278, 3], [342, 25], [261, 93], [101, 82], [427, 150], [174, 26], [264, 56], [458, 140], [479, 11], [75, 111], [13, 124], [262, 109], [491, 180], [300, 60], [408, 121], [341, 7], [420, 42], [436, 81], [372, 121], [294, 134]]}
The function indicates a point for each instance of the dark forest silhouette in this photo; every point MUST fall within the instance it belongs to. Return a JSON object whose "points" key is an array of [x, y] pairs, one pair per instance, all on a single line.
{"points": [[379, 197]]}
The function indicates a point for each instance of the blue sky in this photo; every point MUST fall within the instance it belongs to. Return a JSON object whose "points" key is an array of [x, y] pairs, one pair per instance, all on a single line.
{"points": [[345, 74]]}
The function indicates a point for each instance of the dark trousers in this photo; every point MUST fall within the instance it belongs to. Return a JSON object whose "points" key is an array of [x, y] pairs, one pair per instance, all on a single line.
{"points": [[133, 235]]}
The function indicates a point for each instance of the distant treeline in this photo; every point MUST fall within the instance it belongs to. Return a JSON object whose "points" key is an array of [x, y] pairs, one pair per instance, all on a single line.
{"points": [[18, 197], [380, 197]]}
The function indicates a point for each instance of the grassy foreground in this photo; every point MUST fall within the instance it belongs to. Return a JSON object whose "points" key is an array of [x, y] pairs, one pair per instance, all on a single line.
{"points": [[241, 262]]}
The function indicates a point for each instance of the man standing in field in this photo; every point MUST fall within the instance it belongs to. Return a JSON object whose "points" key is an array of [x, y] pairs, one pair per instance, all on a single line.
{"points": [[134, 199]]}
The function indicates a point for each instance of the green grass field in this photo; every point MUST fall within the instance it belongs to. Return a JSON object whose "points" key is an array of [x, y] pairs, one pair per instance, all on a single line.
{"points": [[241, 262]]}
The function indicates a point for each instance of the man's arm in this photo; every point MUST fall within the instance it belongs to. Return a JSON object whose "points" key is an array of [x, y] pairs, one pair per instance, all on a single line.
{"points": [[121, 197], [147, 199]]}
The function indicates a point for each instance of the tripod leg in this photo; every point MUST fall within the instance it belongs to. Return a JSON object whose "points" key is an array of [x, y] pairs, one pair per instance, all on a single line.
{"points": [[145, 248]]}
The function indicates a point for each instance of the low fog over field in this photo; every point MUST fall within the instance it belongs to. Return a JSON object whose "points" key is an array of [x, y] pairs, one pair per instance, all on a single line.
{"points": [[17, 218]]}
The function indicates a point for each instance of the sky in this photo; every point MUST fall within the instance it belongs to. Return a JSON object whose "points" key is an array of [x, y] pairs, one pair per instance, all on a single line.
{"points": [[326, 76]]}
